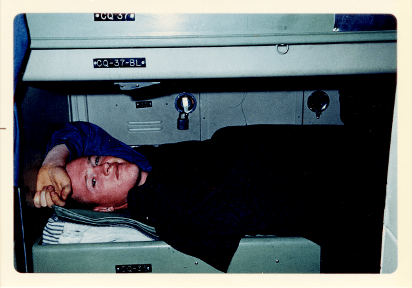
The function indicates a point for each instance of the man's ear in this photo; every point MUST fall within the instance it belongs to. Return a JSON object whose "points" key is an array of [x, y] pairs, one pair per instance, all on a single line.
{"points": [[109, 209], [124, 206], [103, 209]]}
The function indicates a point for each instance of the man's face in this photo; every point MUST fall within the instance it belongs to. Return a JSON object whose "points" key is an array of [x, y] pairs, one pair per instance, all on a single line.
{"points": [[102, 180]]}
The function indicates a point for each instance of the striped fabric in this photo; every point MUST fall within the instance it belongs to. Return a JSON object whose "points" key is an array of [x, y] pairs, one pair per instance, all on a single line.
{"points": [[53, 230], [59, 231]]}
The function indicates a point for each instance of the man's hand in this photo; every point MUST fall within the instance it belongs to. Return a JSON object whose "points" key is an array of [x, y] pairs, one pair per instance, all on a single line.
{"points": [[53, 183], [53, 186]]}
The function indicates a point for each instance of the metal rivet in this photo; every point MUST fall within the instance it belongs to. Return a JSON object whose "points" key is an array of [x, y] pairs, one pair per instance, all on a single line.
{"points": [[196, 263], [277, 261]]}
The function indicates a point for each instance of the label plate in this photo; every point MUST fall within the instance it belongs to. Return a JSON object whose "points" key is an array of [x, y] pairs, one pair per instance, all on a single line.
{"points": [[119, 62], [114, 17], [134, 268]]}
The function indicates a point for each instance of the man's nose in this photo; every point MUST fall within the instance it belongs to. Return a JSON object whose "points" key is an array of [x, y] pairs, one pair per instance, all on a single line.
{"points": [[107, 168]]}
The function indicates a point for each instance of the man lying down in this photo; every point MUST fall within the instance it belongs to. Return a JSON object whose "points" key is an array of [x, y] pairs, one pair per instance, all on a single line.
{"points": [[203, 196]]}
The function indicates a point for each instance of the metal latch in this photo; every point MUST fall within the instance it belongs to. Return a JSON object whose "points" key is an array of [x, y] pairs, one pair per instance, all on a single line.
{"points": [[127, 86]]}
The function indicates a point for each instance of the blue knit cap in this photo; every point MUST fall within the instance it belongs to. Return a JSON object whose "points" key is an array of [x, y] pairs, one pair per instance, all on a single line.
{"points": [[87, 139]]}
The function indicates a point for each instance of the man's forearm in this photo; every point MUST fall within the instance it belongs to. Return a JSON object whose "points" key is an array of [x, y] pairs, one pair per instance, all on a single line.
{"points": [[57, 156]]}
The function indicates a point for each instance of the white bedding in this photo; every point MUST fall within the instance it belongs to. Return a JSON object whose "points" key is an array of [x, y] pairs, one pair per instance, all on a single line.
{"points": [[58, 231]]}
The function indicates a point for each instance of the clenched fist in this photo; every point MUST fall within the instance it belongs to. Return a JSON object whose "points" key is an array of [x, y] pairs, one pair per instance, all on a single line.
{"points": [[53, 186], [53, 183]]}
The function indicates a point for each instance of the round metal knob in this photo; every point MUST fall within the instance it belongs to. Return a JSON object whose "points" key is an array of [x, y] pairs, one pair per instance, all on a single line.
{"points": [[318, 101]]}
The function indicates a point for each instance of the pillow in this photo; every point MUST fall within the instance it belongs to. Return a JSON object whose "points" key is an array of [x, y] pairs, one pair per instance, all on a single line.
{"points": [[70, 222], [58, 231]]}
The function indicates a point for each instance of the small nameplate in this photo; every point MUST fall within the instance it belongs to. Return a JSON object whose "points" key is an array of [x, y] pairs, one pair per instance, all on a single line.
{"points": [[114, 16], [144, 104], [134, 268], [119, 63]]}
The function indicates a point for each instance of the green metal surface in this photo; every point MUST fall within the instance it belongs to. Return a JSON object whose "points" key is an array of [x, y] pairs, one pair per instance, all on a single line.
{"points": [[65, 30], [266, 254], [215, 62]]}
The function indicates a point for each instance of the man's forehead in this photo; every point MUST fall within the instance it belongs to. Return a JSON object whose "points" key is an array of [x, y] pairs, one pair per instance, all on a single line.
{"points": [[83, 162]]}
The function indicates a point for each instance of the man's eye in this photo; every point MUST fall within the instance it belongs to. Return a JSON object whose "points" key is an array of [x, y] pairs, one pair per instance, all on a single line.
{"points": [[96, 161], [93, 182]]}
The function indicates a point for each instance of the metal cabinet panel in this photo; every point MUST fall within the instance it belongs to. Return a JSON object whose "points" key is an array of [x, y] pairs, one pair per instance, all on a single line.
{"points": [[157, 124], [80, 30], [331, 116], [119, 116], [214, 62], [267, 254], [248, 108]]}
